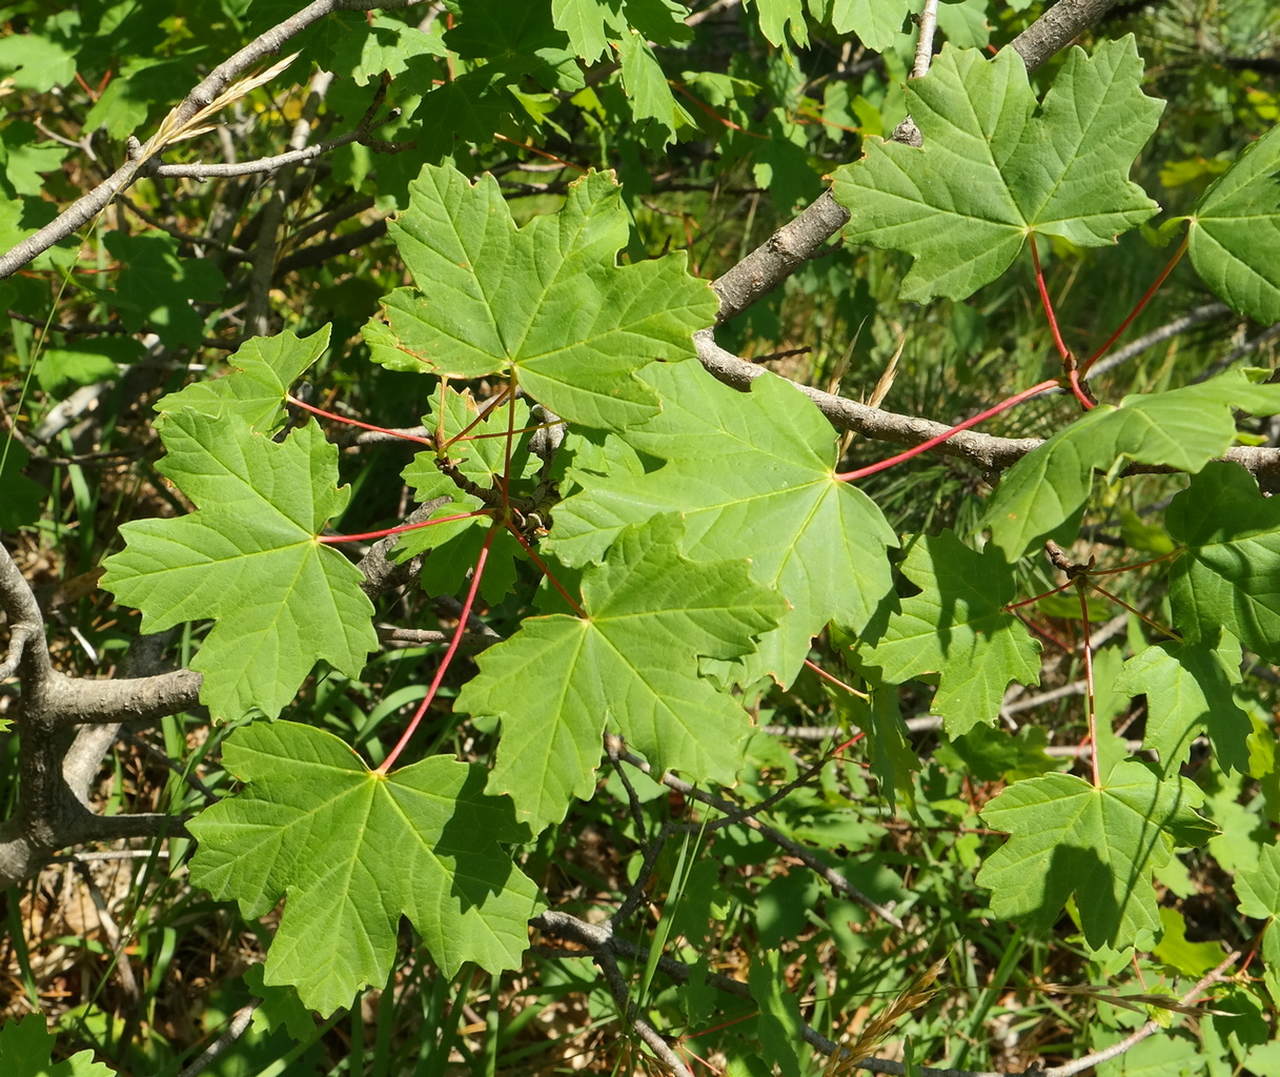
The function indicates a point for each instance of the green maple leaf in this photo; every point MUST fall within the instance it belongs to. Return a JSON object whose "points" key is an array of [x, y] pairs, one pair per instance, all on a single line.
{"points": [[262, 370], [26, 161], [25, 1048], [1234, 238], [248, 559], [1182, 428], [363, 47], [957, 627], [878, 23], [1229, 576], [753, 475], [779, 1024], [546, 303], [775, 16], [587, 22], [1189, 691], [1259, 887], [591, 24], [993, 172], [351, 851], [629, 664], [1102, 844]]}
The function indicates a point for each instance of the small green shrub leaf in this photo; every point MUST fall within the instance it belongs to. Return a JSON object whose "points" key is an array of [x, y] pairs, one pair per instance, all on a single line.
{"points": [[993, 170], [1100, 844], [248, 559], [1234, 239], [351, 851]]}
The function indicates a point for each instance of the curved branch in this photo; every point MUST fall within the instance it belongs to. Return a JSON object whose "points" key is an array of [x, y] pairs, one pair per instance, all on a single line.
{"points": [[27, 653], [988, 451], [201, 97]]}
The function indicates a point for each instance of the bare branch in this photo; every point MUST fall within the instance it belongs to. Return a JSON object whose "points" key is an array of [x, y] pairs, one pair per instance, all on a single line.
{"points": [[318, 253], [27, 653], [257, 317], [988, 451], [124, 699], [201, 97], [837, 881], [1079, 1065], [629, 1013], [924, 43], [236, 1027], [201, 171], [1057, 28]]}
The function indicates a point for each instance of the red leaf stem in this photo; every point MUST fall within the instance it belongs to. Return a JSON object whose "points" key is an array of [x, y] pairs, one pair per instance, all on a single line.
{"points": [[925, 446], [848, 743], [503, 433], [1136, 564], [333, 540], [836, 681], [1036, 598], [1146, 298], [1152, 622], [447, 660], [1091, 709], [356, 422], [488, 410], [1047, 303], [531, 148], [511, 436], [542, 567], [1043, 632]]}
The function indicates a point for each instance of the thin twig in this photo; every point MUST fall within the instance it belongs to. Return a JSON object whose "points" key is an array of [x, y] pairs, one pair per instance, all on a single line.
{"points": [[201, 98], [838, 882], [236, 1027], [1079, 1065]]}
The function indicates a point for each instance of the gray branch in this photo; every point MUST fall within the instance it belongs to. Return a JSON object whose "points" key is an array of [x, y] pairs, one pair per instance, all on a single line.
{"points": [[987, 451], [815, 864], [86, 207]]}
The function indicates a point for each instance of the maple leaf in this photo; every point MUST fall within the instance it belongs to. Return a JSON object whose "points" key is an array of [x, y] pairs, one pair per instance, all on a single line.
{"points": [[630, 664], [1259, 887], [1189, 691], [753, 475], [1229, 576], [351, 851], [992, 172], [878, 23], [26, 1046], [957, 627], [1234, 237], [262, 370], [1100, 843], [1182, 428], [248, 559], [546, 303]]}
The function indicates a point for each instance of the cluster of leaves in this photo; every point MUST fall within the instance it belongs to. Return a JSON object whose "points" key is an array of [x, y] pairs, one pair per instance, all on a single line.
{"points": [[672, 566]]}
